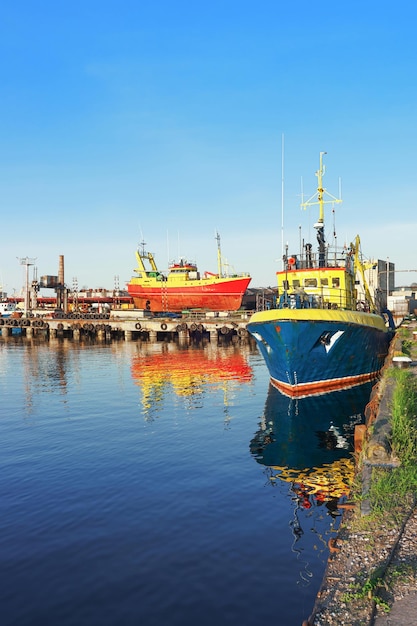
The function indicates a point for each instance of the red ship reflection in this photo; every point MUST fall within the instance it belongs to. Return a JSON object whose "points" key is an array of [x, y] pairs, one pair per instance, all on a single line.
{"points": [[188, 372]]}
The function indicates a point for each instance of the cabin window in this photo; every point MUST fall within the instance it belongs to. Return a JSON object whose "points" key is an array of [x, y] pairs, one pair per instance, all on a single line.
{"points": [[310, 282], [285, 285], [336, 283], [295, 284], [324, 282]]}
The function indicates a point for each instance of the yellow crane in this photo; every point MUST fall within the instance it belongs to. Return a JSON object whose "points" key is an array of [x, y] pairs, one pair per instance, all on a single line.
{"points": [[360, 267]]}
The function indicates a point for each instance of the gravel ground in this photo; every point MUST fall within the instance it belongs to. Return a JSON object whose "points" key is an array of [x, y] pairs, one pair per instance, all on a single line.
{"points": [[402, 580], [361, 553]]}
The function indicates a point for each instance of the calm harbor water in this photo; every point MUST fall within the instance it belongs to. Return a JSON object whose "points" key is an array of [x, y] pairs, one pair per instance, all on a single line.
{"points": [[144, 483]]}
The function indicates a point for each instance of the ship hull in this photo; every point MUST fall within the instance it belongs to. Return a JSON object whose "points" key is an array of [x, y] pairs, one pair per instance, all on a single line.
{"points": [[313, 351], [211, 295]]}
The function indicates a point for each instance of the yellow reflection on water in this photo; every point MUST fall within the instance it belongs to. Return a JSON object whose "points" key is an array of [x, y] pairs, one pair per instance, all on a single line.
{"points": [[331, 480]]}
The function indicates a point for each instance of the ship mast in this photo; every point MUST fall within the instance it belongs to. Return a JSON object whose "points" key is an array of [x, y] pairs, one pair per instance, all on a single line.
{"points": [[320, 190], [219, 256], [319, 226], [141, 256], [318, 198]]}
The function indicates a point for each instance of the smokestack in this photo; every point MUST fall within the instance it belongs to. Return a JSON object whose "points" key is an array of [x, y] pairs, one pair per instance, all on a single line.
{"points": [[61, 270]]}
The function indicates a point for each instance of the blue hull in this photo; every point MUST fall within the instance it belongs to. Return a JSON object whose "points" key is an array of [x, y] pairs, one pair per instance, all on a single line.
{"points": [[305, 356]]}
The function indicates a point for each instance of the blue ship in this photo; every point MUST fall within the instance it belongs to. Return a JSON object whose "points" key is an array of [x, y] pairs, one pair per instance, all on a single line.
{"points": [[328, 331]]}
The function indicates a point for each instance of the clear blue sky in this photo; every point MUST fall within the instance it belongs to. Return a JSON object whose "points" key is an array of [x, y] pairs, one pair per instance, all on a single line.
{"points": [[164, 120]]}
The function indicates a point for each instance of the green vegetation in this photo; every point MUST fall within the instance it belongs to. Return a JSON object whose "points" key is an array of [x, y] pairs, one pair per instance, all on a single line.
{"points": [[407, 347], [404, 418], [369, 589], [391, 489], [401, 573]]}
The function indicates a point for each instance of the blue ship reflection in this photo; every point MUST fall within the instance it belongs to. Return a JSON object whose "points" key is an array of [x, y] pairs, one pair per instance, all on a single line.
{"points": [[301, 433], [308, 442]]}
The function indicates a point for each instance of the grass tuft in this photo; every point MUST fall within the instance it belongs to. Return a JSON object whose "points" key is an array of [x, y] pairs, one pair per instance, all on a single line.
{"points": [[391, 489], [404, 417]]}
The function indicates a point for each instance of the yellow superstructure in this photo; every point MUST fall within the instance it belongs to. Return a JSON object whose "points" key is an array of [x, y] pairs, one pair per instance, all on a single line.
{"points": [[325, 287]]}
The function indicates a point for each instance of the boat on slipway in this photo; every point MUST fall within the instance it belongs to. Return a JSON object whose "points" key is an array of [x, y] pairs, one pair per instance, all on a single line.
{"points": [[324, 335], [184, 287]]}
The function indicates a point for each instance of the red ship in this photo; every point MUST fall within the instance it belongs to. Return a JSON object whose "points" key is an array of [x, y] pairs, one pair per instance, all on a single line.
{"points": [[183, 287]]}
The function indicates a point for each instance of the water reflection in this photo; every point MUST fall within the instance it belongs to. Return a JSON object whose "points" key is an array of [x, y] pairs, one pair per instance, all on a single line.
{"points": [[44, 369], [55, 367], [189, 372], [308, 443], [302, 433]]}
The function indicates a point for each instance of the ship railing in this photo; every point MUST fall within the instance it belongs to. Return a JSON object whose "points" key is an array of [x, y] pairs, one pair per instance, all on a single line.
{"points": [[236, 275], [190, 315], [265, 302], [322, 298], [331, 258]]}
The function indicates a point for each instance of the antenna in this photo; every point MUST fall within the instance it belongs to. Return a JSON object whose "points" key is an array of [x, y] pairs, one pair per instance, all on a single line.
{"points": [[142, 238], [282, 199], [142, 243]]}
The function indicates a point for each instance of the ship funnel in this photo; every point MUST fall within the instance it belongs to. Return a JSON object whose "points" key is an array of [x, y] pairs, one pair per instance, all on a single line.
{"points": [[61, 270]]}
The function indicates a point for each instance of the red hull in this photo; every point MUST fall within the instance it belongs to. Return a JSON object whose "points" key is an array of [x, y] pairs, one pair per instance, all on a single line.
{"points": [[220, 296]]}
